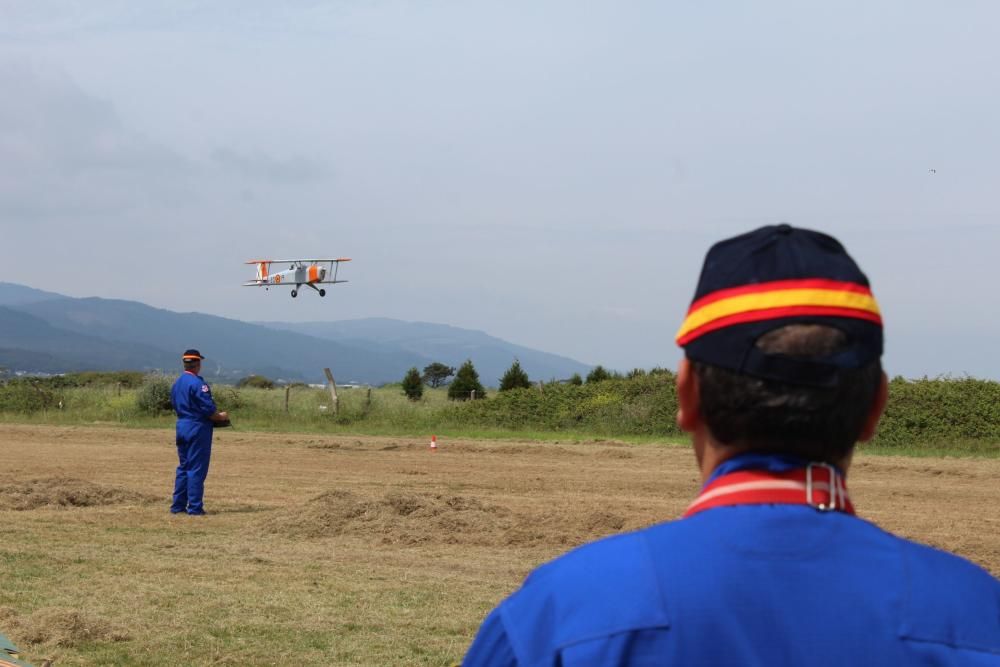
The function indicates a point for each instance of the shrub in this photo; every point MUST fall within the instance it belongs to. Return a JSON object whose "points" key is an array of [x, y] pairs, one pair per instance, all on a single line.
{"points": [[598, 374], [227, 398], [413, 386], [256, 381], [127, 379], [466, 381], [514, 378], [26, 396], [154, 395], [576, 380]]}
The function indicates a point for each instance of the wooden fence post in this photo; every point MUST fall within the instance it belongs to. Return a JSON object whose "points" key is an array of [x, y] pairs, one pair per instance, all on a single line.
{"points": [[288, 390], [333, 388]]}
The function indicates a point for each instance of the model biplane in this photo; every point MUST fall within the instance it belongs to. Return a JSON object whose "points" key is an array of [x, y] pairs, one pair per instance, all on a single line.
{"points": [[310, 272]]}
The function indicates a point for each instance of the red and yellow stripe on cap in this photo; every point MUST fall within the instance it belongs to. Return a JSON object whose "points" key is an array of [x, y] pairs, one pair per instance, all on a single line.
{"points": [[191, 357], [775, 300]]}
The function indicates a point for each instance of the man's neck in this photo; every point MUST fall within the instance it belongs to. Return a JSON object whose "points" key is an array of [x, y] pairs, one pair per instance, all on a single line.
{"points": [[711, 454]]}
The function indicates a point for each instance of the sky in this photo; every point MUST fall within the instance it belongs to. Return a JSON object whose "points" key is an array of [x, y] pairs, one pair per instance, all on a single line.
{"points": [[550, 172]]}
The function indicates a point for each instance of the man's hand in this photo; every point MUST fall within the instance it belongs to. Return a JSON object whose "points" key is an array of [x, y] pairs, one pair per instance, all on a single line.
{"points": [[220, 420]]}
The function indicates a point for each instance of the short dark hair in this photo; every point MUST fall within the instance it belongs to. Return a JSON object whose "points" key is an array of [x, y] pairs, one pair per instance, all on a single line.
{"points": [[815, 423]]}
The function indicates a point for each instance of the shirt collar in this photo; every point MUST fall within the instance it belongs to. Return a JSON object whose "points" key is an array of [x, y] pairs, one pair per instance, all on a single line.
{"points": [[760, 461]]}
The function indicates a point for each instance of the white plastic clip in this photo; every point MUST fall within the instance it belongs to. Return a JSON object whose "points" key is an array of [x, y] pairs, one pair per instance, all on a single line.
{"points": [[833, 489]]}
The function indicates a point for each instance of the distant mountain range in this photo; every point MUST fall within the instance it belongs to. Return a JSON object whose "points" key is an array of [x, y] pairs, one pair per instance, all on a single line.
{"points": [[44, 332]]}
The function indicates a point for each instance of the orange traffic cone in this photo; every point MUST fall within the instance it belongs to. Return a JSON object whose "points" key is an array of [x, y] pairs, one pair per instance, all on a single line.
{"points": [[434, 443]]}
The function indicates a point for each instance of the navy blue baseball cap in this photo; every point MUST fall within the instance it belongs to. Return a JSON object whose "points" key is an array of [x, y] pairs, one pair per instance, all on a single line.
{"points": [[772, 277], [192, 355]]}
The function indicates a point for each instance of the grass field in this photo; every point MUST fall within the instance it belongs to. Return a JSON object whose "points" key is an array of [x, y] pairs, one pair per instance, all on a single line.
{"points": [[352, 550]]}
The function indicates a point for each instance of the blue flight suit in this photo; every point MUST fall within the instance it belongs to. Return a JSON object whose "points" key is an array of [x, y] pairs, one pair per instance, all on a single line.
{"points": [[192, 400], [750, 585]]}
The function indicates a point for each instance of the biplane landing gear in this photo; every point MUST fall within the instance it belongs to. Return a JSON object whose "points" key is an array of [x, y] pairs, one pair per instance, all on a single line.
{"points": [[322, 292], [295, 293]]}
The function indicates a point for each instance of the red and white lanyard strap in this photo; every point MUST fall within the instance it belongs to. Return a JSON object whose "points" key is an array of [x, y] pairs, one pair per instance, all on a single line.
{"points": [[818, 485]]}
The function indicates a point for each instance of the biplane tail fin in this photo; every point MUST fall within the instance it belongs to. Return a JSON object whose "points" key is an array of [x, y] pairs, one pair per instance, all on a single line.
{"points": [[263, 266]]}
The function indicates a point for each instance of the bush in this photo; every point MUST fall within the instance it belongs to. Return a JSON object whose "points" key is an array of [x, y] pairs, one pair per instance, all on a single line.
{"points": [[227, 398], [576, 380], [466, 381], [413, 386], [256, 381], [940, 411], [153, 396], [598, 374], [514, 378], [27, 396]]}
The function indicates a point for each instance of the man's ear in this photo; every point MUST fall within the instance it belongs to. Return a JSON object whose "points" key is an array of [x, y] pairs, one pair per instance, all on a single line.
{"points": [[688, 398], [878, 407]]}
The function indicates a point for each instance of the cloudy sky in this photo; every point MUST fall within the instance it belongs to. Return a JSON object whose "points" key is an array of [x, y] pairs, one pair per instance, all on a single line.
{"points": [[549, 172]]}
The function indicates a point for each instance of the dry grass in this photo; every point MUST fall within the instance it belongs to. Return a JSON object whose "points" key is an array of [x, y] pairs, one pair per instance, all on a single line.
{"points": [[347, 550]]}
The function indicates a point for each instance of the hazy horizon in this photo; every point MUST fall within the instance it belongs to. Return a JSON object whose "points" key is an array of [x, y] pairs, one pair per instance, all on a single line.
{"points": [[549, 173]]}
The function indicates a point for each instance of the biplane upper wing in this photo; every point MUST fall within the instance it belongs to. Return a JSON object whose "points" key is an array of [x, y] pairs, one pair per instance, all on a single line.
{"points": [[263, 270], [294, 261]]}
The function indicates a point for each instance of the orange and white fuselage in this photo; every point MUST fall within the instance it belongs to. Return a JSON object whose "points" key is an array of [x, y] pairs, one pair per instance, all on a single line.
{"points": [[300, 272]]}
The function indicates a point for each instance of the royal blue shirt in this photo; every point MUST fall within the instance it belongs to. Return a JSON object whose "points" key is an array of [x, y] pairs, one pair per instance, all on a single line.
{"points": [[750, 585], [192, 398]]}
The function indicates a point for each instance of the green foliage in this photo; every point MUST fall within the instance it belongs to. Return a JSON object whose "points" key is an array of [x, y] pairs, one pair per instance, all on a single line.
{"points": [[28, 395], [927, 416], [465, 383], [154, 395], [437, 374], [515, 378], [598, 374], [123, 379], [227, 398], [643, 406], [576, 380], [940, 411], [412, 385], [126, 379], [257, 381]]}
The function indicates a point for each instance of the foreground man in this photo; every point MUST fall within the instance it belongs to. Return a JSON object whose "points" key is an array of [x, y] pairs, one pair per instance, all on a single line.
{"points": [[769, 565], [192, 400]]}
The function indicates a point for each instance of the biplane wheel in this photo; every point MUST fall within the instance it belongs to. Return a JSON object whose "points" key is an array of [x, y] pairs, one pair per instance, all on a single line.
{"points": [[322, 292], [295, 293]]}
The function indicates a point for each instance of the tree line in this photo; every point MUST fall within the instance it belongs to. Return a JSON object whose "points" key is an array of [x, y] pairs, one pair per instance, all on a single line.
{"points": [[466, 385]]}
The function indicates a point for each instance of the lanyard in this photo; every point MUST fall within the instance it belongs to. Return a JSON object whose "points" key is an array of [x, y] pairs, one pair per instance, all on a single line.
{"points": [[818, 485]]}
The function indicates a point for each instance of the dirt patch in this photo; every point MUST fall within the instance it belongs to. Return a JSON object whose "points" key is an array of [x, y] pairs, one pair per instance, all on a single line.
{"points": [[58, 626], [64, 492], [614, 454], [540, 449], [561, 529]]}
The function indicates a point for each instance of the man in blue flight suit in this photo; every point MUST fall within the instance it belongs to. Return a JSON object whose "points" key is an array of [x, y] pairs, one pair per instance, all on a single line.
{"points": [[769, 566], [196, 414]]}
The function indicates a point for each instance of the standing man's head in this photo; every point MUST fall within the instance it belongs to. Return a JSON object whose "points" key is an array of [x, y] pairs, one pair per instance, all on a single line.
{"points": [[782, 344], [192, 360]]}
